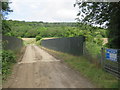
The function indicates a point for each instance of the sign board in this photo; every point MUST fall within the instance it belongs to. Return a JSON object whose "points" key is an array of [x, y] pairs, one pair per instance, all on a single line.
{"points": [[112, 54]]}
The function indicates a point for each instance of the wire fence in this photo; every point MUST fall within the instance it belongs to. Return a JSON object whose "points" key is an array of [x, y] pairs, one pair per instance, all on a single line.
{"points": [[108, 59], [92, 55]]}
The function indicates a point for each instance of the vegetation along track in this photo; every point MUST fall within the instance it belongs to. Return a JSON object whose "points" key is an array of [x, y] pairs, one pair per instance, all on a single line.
{"points": [[38, 69]]}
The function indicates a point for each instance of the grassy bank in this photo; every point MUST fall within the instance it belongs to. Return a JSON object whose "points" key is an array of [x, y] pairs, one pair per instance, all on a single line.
{"points": [[96, 75]]}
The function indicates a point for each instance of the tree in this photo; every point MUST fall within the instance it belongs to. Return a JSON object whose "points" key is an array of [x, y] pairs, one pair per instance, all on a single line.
{"points": [[5, 9], [5, 28], [107, 13]]}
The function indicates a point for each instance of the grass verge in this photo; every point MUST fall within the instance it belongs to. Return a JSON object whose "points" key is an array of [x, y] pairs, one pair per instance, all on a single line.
{"points": [[96, 75]]}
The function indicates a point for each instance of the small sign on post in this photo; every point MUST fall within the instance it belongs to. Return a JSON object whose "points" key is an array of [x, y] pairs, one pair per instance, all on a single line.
{"points": [[112, 54]]}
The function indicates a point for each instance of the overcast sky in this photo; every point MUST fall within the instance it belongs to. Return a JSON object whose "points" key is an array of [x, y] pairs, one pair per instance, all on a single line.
{"points": [[43, 10]]}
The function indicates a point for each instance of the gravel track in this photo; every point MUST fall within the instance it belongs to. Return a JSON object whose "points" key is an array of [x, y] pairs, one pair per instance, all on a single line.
{"points": [[38, 69]]}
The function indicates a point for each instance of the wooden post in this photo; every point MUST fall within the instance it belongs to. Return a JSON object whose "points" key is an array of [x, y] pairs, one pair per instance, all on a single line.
{"points": [[102, 57]]}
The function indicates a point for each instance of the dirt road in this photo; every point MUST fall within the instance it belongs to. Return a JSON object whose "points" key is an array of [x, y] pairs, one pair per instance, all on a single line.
{"points": [[38, 69]]}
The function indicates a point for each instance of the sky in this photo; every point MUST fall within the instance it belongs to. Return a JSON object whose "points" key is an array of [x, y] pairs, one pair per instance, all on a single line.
{"points": [[43, 10]]}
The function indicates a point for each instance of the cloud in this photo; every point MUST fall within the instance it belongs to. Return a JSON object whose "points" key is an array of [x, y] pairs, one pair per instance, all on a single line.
{"points": [[43, 10]]}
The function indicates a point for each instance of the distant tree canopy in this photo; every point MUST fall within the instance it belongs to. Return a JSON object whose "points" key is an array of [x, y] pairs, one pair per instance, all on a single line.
{"points": [[102, 13], [61, 29], [5, 10]]}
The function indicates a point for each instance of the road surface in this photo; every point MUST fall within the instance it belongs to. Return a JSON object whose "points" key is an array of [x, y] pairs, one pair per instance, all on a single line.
{"points": [[38, 69]]}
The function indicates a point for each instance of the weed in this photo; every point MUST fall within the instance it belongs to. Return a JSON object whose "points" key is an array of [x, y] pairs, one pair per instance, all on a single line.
{"points": [[8, 59]]}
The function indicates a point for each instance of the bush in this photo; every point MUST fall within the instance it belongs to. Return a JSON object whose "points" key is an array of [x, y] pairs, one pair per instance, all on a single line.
{"points": [[8, 58], [93, 49], [38, 38]]}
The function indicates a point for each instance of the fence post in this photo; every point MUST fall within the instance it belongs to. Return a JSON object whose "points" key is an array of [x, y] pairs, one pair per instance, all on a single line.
{"points": [[84, 48], [102, 57], [118, 56]]}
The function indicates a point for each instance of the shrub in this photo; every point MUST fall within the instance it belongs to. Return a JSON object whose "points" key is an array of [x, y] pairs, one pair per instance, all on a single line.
{"points": [[38, 38], [8, 58]]}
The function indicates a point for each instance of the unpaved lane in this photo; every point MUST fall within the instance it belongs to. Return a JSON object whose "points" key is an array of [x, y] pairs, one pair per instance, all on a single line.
{"points": [[38, 69]]}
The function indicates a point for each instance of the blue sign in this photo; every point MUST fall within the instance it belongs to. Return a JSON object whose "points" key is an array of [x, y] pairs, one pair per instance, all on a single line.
{"points": [[111, 54]]}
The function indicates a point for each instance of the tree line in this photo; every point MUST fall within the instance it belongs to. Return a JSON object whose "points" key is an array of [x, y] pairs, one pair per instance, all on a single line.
{"points": [[65, 29]]}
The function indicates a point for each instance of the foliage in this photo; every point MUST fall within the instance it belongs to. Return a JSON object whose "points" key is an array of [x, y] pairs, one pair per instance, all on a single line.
{"points": [[114, 26], [38, 38], [93, 49], [93, 12], [5, 8], [33, 29], [8, 58], [5, 11], [5, 28], [102, 13], [29, 41]]}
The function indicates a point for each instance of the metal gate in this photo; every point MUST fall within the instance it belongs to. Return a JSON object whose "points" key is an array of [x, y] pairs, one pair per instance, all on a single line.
{"points": [[111, 61]]}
